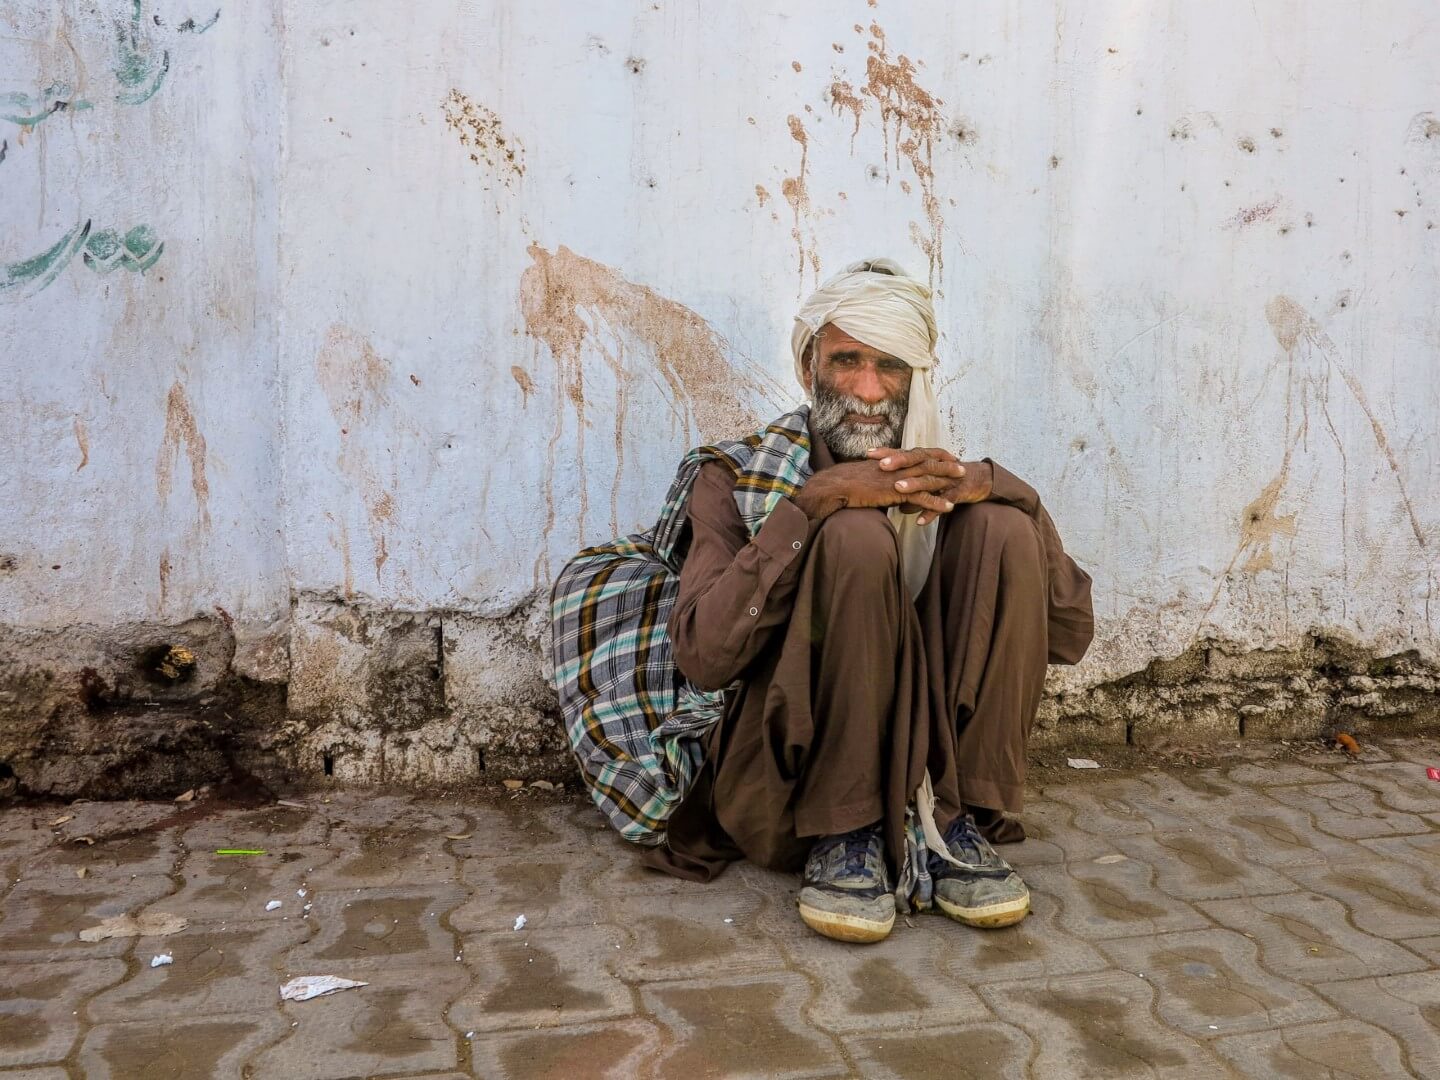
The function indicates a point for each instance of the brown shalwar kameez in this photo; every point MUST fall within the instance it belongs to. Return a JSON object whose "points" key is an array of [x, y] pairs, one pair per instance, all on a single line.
{"points": [[850, 690]]}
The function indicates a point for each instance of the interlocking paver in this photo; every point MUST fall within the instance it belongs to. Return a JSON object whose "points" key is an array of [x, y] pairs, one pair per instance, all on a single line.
{"points": [[1308, 938], [1099, 1025], [1210, 981], [1282, 912], [741, 1028], [39, 1006], [1338, 1049], [983, 1051]]}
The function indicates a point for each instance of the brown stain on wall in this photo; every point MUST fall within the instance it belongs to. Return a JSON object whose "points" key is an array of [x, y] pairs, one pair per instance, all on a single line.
{"points": [[761, 194], [1252, 214], [797, 194], [82, 440], [164, 577], [523, 380], [1292, 324], [180, 427], [1259, 524], [843, 98], [913, 114], [579, 308], [484, 136], [355, 380]]}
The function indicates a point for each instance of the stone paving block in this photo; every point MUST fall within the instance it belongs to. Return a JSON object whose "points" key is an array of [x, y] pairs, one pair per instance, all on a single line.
{"points": [[624, 875], [752, 1027], [394, 1025], [1033, 949], [178, 1046], [1421, 851], [548, 889], [229, 888], [548, 978], [1421, 750], [38, 1005], [214, 972], [1267, 774], [25, 830], [1099, 1025], [1401, 785], [1389, 900], [1108, 900], [389, 928], [1349, 811], [688, 937], [1202, 864], [899, 984], [53, 1073], [1309, 938], [112, 860], [1278, 836], [41, 919], [1052, 838], [274, 828], [1113, 808], [409, 849], [1428, 947], [982, 1051], [618, 1049], [1406, 1006], [520, 832], [1211, 982], [1339, 1048]]}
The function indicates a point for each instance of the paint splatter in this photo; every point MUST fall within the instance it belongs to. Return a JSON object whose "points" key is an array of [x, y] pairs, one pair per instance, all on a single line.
{"points": [[523, 380], [140, 63], [1251, 214], [82, 440], [180, 427], [137, 251], [843, 98], [355, 380], [797, 194], [484, 136], [29, 276], [189, 26], [915, 117], [28, 110], [578, 309]]}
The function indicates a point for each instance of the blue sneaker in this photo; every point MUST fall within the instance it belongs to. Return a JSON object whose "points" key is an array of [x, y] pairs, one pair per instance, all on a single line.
{"points": [[846, 892], [985, 891]]}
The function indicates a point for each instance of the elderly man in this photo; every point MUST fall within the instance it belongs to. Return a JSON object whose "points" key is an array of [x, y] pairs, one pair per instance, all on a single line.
{"points": [[829, 651]]}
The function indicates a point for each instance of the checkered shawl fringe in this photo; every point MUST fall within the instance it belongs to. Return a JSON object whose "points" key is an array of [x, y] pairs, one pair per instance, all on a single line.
{"points": [[634, 723]]}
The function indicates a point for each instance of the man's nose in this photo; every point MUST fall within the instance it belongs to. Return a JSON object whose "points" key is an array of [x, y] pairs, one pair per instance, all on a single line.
{"points": [[868, 387]]}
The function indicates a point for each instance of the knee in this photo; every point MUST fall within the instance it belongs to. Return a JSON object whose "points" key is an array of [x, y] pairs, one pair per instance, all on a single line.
{"points": [[858, 542], [1007, 528]]}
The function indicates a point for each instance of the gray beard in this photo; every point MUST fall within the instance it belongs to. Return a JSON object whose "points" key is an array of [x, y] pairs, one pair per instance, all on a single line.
{"points": [[847, 440]]}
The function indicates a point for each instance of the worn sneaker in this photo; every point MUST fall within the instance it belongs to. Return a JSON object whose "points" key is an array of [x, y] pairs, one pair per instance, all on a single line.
{"points": [[986, 891], [846, 893]]}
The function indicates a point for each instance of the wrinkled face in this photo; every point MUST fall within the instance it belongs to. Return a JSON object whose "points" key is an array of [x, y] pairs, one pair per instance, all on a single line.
{"points": [[860, 394]]}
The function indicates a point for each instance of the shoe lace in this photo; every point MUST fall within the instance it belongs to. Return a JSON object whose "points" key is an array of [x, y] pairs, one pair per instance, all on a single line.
{"points": [[856, 845], [974, 849]]}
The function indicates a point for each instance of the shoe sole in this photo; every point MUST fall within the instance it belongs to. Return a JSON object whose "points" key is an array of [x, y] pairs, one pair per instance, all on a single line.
{"points": [[845, 927], [991, 916]]}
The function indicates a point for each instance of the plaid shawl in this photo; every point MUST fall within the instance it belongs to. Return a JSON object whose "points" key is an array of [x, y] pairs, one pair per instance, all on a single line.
{"points": [[634, 723]]}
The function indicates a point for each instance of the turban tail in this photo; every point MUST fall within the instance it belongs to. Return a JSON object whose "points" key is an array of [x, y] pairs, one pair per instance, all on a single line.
{"points": [[890, 312]]}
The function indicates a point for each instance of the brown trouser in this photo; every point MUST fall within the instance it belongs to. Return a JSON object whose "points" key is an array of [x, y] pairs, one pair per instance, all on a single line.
{"points": [[863, 690]]}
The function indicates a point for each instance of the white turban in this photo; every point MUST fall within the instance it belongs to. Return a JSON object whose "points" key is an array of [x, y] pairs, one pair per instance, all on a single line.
{"points": [[890, 312]]}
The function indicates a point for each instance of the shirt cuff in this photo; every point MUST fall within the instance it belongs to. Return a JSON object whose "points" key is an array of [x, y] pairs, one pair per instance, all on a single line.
{"points": [[785, 532], [1008, 488]]}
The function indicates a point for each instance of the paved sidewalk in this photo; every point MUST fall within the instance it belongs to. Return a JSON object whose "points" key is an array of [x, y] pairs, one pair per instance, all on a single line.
{"points": [[1266, 917]]}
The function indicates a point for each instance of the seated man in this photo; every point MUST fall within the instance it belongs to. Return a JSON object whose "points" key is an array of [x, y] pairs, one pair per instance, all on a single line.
{"points": [[829, 651]]}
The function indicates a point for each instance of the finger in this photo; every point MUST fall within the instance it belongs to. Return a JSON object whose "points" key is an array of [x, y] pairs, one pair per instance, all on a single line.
{"points": [[948, 471], [892, 459], [923, 483], [933, 505]]}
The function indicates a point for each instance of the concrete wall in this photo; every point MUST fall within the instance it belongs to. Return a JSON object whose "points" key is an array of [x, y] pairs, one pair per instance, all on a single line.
{"points": [[446, 289]]}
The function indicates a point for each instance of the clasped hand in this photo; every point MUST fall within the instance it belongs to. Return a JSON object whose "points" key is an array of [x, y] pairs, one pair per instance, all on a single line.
{"points": [[927, 481]]}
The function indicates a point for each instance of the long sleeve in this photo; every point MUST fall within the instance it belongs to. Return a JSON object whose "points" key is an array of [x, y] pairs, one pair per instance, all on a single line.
{"points": [[1071, 615], [734, 591]]}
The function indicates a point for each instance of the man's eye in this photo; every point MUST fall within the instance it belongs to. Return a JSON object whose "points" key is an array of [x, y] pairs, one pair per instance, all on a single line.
{"points": [[894, 366]]}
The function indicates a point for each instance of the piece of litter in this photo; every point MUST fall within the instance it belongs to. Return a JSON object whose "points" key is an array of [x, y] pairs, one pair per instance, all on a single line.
{"points": [[459, 836], [1105, 860], [520, 922], [543, 785], [272, 905], [514, 785], [239, 851], [1433, 773], [62, 819], [301, 893], [147, 924], [292, 805], [187, 796], [1347, 741], [1214, 1027], [1082, 763], [305, 987], [162, 960], [729, 920], [90, 840], [80, 871], [469, 1034]]}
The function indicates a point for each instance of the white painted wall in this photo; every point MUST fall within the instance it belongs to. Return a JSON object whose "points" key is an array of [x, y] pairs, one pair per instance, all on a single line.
{"points": [[1188, 290]]}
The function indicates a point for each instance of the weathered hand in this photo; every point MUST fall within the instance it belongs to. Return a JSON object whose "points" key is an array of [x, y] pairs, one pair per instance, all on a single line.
{"points": [[866, 484], [973, 483]]}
